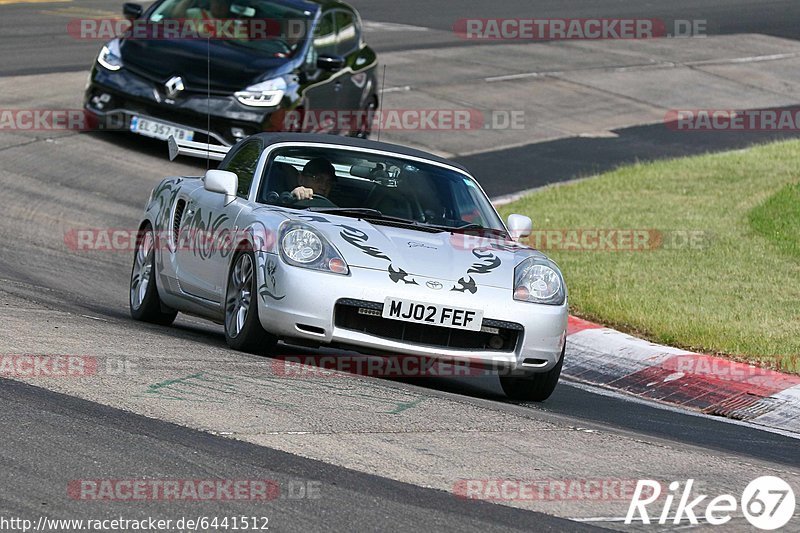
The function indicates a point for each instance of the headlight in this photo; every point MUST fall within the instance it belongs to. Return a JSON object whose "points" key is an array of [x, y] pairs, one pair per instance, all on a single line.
{"points": [[110, 56], [302, 246], [265, 94], [538, 280]]}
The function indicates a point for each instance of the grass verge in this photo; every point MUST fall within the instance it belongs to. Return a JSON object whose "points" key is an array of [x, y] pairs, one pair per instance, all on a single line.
{"points": [[705, 253]]}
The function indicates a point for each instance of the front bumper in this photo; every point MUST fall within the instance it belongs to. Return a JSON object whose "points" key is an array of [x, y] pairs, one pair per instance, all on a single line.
{"points": [[302, 306], [129, 94]]}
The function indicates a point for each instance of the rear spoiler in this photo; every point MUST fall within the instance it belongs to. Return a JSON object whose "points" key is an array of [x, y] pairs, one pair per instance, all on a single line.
{"points": [[216, 152]]}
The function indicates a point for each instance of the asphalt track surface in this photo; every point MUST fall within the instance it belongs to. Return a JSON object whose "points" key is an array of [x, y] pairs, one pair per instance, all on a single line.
{"points": [[547, 162], [34, 39], [118, 441], [51, 438]]}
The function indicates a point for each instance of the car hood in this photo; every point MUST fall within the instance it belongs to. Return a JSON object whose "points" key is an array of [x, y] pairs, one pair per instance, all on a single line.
{"points": [[233, 67], [411, 256]]}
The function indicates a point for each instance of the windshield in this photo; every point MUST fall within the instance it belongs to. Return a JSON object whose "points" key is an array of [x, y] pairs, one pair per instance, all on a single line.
{"points": [[266, 25], [378, 187]]}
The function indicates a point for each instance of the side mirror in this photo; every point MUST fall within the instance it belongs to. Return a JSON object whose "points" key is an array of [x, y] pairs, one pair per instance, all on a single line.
{"points": [[330, 63], [520, 226], [132, 11], [222, 181]]}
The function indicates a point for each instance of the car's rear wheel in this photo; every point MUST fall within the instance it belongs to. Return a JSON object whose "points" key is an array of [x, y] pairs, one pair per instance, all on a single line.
{"points": [[533, 388], [243, 329], [145, 304]]}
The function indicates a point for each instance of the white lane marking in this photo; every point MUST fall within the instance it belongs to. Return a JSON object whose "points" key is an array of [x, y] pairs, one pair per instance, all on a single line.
{"points": [[663, 64], [12, 2], [95, 318], [522, 76], [82, 12], [402, 89], [746, 59], [599, 519], [372, 25]]}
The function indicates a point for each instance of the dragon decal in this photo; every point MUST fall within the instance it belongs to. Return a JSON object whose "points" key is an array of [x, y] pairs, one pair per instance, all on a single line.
{"points": [[465, 284], [202, 234], [269, 287], [358, 238], [165, 194], [314, 218], [488, 261], [400, 275]]}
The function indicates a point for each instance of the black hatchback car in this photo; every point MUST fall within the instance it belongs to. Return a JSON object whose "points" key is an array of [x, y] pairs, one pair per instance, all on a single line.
{"points": [[305, 69]]}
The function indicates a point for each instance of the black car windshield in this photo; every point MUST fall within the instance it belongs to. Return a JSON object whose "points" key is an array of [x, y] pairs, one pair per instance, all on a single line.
{"points": [[386, 188], [266, 25]]}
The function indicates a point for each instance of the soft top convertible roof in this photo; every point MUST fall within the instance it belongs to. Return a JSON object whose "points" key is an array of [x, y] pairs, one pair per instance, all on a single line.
{"points": [[218, 152], [275, 138]]}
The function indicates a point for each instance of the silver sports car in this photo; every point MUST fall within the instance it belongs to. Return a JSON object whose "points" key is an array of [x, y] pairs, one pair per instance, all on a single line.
{"points": [[355, 244]]}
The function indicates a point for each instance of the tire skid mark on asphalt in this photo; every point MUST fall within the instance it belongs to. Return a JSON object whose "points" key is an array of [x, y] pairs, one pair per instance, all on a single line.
{"points": [[212, 387]]}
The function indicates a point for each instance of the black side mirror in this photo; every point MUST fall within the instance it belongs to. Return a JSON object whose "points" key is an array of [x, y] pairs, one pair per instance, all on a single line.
{"points": [[132, 11], [330, 63]]}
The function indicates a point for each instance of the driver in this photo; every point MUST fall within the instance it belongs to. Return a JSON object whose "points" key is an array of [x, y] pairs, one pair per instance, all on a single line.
{"points": [[218, 9], [317, 177]]}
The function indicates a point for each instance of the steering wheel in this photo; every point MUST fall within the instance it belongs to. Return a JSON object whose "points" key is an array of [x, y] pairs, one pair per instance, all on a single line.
{"points": [[315, 201]]}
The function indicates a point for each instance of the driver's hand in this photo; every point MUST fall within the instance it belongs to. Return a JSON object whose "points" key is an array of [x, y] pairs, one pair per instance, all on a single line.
{"points": [[303, 193]]}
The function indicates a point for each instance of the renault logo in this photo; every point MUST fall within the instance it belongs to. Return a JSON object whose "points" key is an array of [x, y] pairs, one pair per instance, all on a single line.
{"points": [[435, 285], [174, 86]]}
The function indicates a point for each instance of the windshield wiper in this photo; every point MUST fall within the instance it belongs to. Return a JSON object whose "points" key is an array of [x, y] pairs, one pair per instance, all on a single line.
{"points": [[476, 228], [362, 212]]}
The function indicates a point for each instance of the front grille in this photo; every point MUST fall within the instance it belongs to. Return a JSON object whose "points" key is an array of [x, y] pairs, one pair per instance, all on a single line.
{"points": [[365, 317]]}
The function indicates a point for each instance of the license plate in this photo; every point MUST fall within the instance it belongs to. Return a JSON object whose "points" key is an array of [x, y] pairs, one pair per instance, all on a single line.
{"points": [[432, 314], [159, 130]]}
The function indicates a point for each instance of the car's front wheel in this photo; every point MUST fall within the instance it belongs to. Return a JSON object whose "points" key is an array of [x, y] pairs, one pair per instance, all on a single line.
{"points": [[533, 388], [144, 301], [364, 128], [243, 329]]}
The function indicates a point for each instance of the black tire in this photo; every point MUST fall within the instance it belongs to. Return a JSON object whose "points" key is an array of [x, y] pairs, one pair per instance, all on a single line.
{"points": [[533, 388], [250, 337], [145, 304], [364, 129]]}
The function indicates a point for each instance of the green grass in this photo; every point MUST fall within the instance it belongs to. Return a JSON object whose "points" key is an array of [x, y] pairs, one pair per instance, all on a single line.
{"points": [[736, 292], [778, 219]]}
